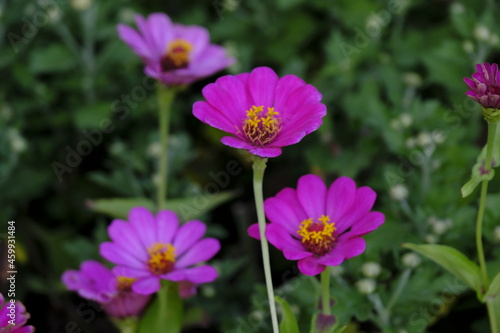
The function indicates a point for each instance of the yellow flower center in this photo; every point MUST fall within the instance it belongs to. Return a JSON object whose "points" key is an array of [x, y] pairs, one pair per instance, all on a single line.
{"points": [[260, 127], [124, 283], [177, 55], [161, 258], [318, 237]]}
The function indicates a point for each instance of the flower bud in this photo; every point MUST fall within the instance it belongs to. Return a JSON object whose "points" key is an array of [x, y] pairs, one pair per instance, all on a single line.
{"points": [[411, 260], [399, 192], [366, 286]]}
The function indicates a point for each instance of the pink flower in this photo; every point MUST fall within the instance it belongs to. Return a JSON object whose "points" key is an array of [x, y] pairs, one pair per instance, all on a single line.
{"points": [[13, 317], [174, 54], [149, 248], [320, 226], [485, 86], [96, 282], [261, 111]]}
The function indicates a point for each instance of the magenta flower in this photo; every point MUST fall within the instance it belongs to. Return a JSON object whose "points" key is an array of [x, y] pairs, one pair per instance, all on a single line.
{"points": [[13, 317], [261, 111], [320, 226], [174, 54], [149, 248], [98, 283], [485, 86]]}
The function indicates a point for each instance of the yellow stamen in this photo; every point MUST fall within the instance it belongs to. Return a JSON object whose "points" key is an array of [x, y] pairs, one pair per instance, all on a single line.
{"points": [[259, 127], [124, 283], [177, 55], [317, 237], [162, 258]]}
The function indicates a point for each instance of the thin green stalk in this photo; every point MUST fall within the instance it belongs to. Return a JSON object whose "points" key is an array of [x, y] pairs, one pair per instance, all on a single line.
{"points": [[259, 166], [127, 325], [165, 98], [325, 287], [405, 276]]}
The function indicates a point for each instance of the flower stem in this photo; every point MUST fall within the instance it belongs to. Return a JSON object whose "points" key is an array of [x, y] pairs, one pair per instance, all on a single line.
{"points": [[127, 325], [325, 286], [165, 98], [482, 201], [259, 166]]}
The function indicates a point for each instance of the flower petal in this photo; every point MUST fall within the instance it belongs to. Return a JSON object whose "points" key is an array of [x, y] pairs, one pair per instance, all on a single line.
{"points": [[363, 201], [188, 234], [210, 116], [253, 231], [285, 214], [261, 84], [211, 60], [310, 266], [123, 234], [166, 224], [340, 197], [311, 192], [368, 223], [236, 143], [134, 40], [146, 286], [202, 251], [144, 223], [119, 255], [197, 36], [160, 32], [285, 88], [200, 274], [266, 152], [344, 250]]}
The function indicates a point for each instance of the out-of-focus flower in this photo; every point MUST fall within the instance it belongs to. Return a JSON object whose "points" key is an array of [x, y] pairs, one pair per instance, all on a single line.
{"points": [[484, 87], [149, 248], [424, 139], [431, 239], [468, 46], [411, 260], [405, 119], [154, 149], [81, 4], [412, 79], [482, 33], [173, 53], [399, 192], [371, 269], [96, 282], [17, 141], [366, 286], [261, 111], [13, 317], [320, 226]]}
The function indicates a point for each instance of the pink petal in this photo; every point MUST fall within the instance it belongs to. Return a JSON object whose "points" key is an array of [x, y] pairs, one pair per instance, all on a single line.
{"points": [[303, 96], [123, 234], [281, 239], [236, 143], [311, 192], [261, 84], [134, 40], [212, 59], [144, 223], [160, 31], [266, 152], [200, 274], [102, 276], [310, 266], [285, 214], [284, 90], [367, 224], [202, 251], [344, 250], [340, 197], [197, 36], [188, 234], [146, 286], [166, 224], [253, 231], [118, 255], [363, 203], [210, 116], [132, 272]]}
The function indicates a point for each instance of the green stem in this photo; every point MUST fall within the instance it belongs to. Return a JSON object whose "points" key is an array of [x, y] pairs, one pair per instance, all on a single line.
{"points": [[259, 166], [399, 289], [325, 286], [165, 98], [127, 325]]}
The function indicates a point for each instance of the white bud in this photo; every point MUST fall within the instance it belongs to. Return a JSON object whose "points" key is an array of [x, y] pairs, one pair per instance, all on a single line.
{"points": [[424, 139], [410, 142], [117, 148], [411, 260], [366, 286], [398, 192], [405, 119], [431, 239], [81, 4], [412, 79], [154, 149], [208, 291], [17, 142], [457, 8], [439, 227], [54, 14], [481, 33], [496, 234], [494, 40], [468, 46], [371, 269], [395, 123], [438, 136]]}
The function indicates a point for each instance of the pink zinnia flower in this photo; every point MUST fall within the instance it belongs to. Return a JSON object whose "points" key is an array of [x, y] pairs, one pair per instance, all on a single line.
{"points": [[261, 111], [149, 248], [485, 86], [320, 226], [13, 317], [174, 54], [98, 283]]}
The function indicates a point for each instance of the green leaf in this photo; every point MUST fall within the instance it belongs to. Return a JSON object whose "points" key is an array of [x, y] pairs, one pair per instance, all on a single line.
{"points": [[288, 322], [495, 317], [54, 58], [477, 176], [164, 315], [453, 261], [494, 289], [186, 208]]}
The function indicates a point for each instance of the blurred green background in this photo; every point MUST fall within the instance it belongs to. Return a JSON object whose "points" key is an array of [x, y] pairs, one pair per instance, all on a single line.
{"points": [[391, 74]]}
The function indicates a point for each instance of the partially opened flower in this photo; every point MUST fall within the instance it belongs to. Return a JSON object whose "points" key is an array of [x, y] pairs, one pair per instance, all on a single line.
{"points": [[150, 248], [320, 226], [96, 282], [261, 111], [13, 317], [173, 53], [485, 85]]}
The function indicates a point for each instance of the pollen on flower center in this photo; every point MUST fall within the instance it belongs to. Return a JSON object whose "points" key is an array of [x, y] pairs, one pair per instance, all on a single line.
{"points": [[493, 90], [161, 258], [318, 237], [124, 283], [177, 55], [260, 127]]}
